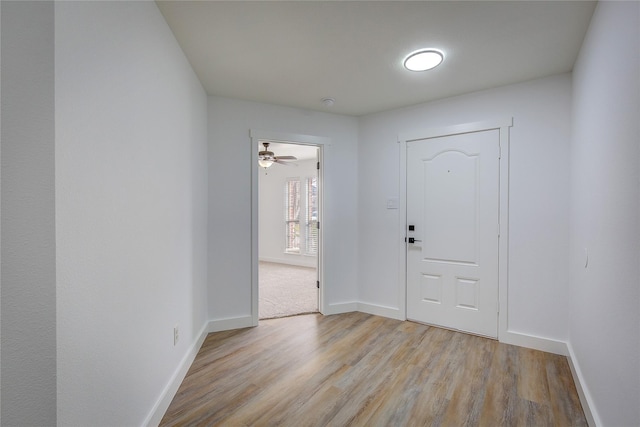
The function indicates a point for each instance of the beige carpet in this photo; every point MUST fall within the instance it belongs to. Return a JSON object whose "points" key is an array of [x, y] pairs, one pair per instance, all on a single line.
{"points": [[286, 290]]}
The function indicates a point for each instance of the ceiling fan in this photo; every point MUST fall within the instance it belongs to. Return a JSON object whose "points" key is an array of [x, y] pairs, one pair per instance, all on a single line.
{"points": [[266, 158]]}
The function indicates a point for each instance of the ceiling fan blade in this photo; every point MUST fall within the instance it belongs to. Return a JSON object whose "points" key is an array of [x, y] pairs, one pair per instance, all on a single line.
{"points": [[280, 162], [286, 158]]}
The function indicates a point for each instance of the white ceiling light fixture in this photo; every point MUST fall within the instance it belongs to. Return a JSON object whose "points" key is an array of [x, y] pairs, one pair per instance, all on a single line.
{"points": [[423, 60]]}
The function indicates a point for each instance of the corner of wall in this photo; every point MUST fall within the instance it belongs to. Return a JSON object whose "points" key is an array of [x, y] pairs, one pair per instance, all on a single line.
{"points": [[340, 308], [170, 390], [583, 391], [379, 310], [231, 323], [533, 342]]}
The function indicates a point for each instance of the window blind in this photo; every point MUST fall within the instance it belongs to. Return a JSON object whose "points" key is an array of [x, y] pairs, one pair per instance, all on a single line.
{"points": [[292, 215]]}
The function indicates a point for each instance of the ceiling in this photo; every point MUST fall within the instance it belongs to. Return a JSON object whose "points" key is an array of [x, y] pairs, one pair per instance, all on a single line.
{"points": [[297, 53]]}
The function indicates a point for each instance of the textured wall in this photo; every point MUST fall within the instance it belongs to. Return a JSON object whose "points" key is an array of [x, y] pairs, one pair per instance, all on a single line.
{"points": [[131, 209], [28, 230]]}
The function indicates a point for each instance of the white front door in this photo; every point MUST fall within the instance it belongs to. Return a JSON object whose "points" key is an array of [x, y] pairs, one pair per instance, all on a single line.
{"points": [[452, 254]]}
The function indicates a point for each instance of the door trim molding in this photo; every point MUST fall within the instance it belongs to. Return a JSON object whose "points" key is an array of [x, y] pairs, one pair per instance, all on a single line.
{"points": [[322, 143], [503, 126]]}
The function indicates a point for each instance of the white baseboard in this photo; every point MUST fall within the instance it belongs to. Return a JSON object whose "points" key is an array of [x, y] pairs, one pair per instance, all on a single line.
{"points": [[379, 310], [344, 307], [583, 391], [533, 342], [218, 325], [170, 390]]}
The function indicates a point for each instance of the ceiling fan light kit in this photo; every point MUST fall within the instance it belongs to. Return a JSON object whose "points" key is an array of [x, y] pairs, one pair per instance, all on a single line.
{"points": [[265, 163], [267, 158]]}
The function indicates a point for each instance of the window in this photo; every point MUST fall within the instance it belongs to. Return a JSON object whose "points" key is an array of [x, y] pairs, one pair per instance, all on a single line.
{"points": [[294, 202], [292, 215], [311, 235]]}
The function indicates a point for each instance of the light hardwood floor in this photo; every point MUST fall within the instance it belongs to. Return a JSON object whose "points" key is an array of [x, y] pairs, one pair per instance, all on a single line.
{"points": [[357, 369]]}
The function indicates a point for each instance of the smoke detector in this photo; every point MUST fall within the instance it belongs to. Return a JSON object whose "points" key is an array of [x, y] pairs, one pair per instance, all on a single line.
{"points": [[328, 102]]}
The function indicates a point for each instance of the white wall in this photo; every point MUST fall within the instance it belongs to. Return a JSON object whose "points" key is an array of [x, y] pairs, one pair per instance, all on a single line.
{"points": [[131, 210], [605, 209], [28, 230], [271, 212], [230, 166], [0, 217], [539, 207]]}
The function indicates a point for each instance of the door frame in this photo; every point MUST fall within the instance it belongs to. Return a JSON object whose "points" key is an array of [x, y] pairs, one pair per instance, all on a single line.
{"points": [[323, 144], [503, 126]]}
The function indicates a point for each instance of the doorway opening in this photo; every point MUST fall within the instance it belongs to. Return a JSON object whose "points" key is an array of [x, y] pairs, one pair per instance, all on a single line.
{"points": [[288, 235]]}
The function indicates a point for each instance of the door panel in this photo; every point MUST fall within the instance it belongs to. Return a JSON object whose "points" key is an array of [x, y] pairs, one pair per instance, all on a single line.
{"points": [[453, 201], [450, 214]]}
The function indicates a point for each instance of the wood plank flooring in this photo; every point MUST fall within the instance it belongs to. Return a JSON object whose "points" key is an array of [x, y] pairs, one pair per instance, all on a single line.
{"points": [[357, 369]]}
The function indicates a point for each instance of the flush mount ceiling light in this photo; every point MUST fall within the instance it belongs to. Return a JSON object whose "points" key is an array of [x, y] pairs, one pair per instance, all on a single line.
{"points": [[423, 60]]}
